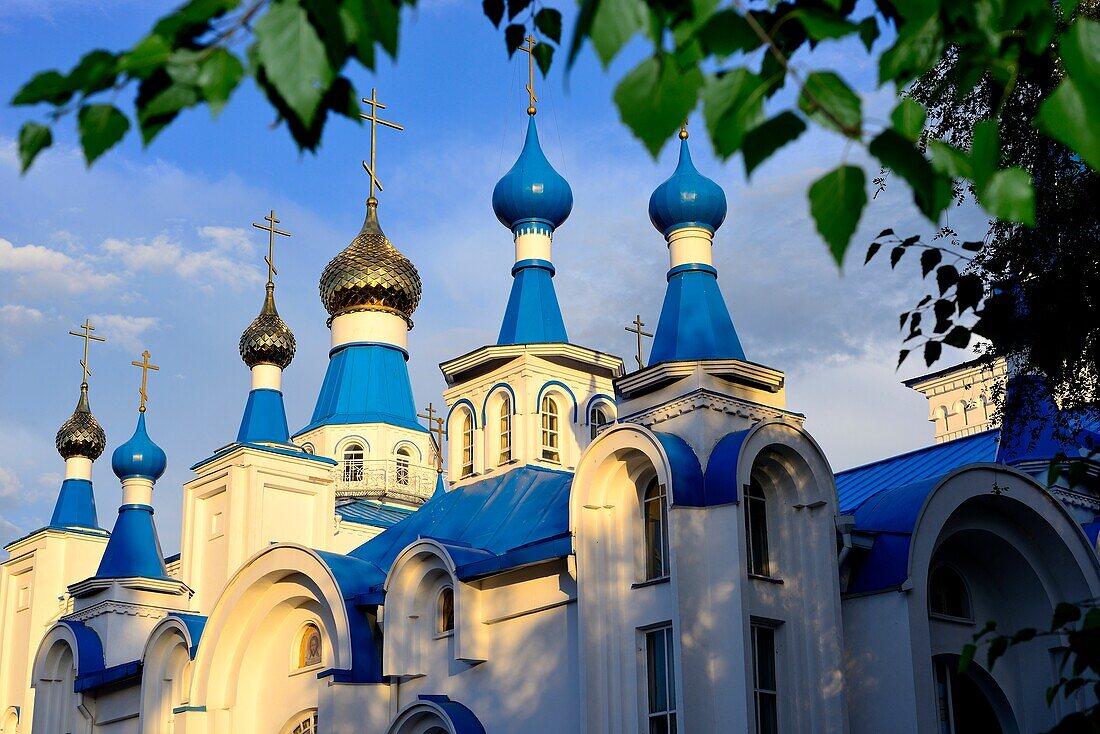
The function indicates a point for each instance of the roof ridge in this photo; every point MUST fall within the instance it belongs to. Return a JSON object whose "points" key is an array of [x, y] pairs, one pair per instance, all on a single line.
{"points": [[913, 452]]}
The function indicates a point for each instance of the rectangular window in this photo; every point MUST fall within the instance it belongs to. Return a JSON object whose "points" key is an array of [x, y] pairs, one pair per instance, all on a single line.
{"points": [[550, 436], [764, 689], [661, 681], [505, 435], [756, 531]]}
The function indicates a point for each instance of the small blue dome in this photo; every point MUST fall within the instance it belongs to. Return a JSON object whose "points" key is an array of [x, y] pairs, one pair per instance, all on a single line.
{"points": [[532, 191], [687, 199], [139, 457]]}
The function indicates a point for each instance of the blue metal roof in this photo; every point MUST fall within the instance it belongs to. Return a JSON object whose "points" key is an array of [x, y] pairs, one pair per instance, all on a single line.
{"points": [[533, 315], [854, 486], [134, 548], [695, 323], [75, 506], [195, 624], [371, 512], [264, 418], [290, 450], [139, 456], [532, 191], [687, 199], [366, 383], [518, 517]]}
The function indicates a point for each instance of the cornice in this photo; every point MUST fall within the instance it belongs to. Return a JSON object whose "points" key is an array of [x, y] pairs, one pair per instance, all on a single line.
{"points": [[703, 399]]}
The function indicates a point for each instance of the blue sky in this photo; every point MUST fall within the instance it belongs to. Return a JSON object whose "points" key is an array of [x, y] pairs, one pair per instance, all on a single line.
{"points": [[156, 246]]}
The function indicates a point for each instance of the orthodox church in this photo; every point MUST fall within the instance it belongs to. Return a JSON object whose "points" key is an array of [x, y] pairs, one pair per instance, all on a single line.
{"points": [[591, 549]]}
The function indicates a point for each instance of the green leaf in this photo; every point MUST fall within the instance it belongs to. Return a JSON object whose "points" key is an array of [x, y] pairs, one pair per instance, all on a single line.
{"points": [[101, 128], [931, 191], [733, 104], [613, 24], [193, 19], [293, 58], [949, 160], [916, 50], [95, 72], [958, 337], [929, 259], [727, 32], [765, 139], [548, 21], [932, 351], [821, 25], [868, 32], [985, 150], [168, 102], [544, 55], [33, 139], [998, 646], [1069, 116], [1064, 613], [1080, 50], [826, 98], [146, 57], [494, 11], [515, 7], [967, 656], [836, 203], [908, 118], [513, 37], [46, 86], [219, 75], [655, 98], [367, 21], [1009, 196]]}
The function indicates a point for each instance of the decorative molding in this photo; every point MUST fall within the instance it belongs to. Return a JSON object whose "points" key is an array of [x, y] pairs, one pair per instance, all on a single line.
{"points": [[120, 607], [703, 399], [1076, 499]]}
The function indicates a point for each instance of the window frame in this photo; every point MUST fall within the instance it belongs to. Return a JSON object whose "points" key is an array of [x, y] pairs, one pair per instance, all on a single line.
{"points": [[600, 407], [758, 564], [550, 423], [349, 462], [661, 705], [441, 611], [655, 532], [967, 597], [761, 690], [466, 448], [403, 460], [504, 430]]}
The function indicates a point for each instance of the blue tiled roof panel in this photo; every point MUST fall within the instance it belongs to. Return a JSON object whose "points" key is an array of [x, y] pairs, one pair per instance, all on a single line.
{"points": [[371, 512], [855, 486]]}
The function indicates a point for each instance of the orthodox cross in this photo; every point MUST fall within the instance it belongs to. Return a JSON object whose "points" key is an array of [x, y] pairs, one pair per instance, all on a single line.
{"points": [[530, 49], [271, 232], [375, 121], [435, 427], [88, 339], [638, 324], [145, 366]]}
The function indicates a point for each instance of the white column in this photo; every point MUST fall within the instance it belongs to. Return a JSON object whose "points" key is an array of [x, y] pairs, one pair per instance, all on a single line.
{"points": [[370, 326], [533, 245], [267, 376], [78, 467], [690, 245], [137, 491]]}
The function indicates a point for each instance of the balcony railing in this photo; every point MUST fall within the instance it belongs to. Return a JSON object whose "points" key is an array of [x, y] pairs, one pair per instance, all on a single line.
{"points": [[385, 478]]}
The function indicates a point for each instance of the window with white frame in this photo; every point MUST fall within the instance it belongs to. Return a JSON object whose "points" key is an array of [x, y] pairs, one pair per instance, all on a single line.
{"points": [[660, 681], [597, 418], [467, 444], [756, 530], [353, 462], [402, 473], [764, 680], [505, 429], [551, 439], [655, 510], [445, 610]]}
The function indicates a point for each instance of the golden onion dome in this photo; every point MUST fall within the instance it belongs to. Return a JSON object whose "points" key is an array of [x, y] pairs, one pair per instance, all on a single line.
{"points": [[81, 435], [268, 340], [371, 274]]}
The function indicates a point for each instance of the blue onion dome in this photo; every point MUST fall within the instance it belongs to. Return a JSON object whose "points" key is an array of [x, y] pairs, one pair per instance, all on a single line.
{"points": [[81, 435], [268, 340], [370, 274], [687, 198], [139, 457], [532, 191]]}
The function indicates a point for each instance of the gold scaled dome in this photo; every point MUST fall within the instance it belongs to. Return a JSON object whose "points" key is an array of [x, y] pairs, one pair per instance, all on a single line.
{"points": [[370, 274], [81, 435], [268, 340]]}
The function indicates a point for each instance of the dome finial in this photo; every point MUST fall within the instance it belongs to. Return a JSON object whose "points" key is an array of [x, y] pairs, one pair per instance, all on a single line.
{"points": [[268, 340], [532, 192], [684, 131], [145, 366], [687, 198], [531, 98], [375, 121], [81, 435]]}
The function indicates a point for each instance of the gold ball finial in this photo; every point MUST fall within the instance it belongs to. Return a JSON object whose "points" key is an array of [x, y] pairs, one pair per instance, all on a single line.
{"points": [[683, 133], [531, 110], [372, 201]]}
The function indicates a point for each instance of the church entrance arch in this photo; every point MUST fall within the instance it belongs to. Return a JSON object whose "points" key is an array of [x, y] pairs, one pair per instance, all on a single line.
{"points": [[971, 701]]}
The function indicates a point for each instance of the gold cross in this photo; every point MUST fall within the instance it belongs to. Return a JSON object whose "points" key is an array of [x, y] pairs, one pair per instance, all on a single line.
{"points": [[375, 120], [271, 232], [145, 366], [530, 49], [88, 339], [435, 427], [638, 324]]}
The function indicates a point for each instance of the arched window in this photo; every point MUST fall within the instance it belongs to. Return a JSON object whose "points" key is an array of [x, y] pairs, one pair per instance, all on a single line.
{"points": [[353, 462], [303, 723], [551, 444], [445, 616], [756, 530], [309, 646], [655, 510], [947, 593], [403, 466], [597, 418], [505, 430], [467, 444]]}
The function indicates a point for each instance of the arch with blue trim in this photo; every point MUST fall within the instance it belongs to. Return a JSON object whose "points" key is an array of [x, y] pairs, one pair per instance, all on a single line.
{"points": [[344, 442], [413, 448], [594, 400], [564, 388], [469, 406], [493, 390], [431, 713]]}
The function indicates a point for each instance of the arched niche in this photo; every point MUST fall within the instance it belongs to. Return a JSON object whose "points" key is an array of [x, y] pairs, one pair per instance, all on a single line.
{"points": [[57, 707], [435, 715], [165, 682]]}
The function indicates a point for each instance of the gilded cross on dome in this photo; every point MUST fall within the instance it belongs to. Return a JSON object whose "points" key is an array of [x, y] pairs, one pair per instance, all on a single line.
{"points": [[88, 339], [271, 232], [145, 366], [435, 427], [375, 120], [638, 324], [530, 50]]}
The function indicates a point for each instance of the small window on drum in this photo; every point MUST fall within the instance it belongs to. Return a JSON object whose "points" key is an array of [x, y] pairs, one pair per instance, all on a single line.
{"points": [[948, 595], [403, 466], [551, 440], [445, 614], [353, 462], [505, 426], [467, 444]]}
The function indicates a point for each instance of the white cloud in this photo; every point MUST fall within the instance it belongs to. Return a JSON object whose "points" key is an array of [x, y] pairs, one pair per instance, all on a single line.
{"points": [[162, 254], [10, 485], [13, 314], [125, 331], [229, 239], [42, 270]]}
